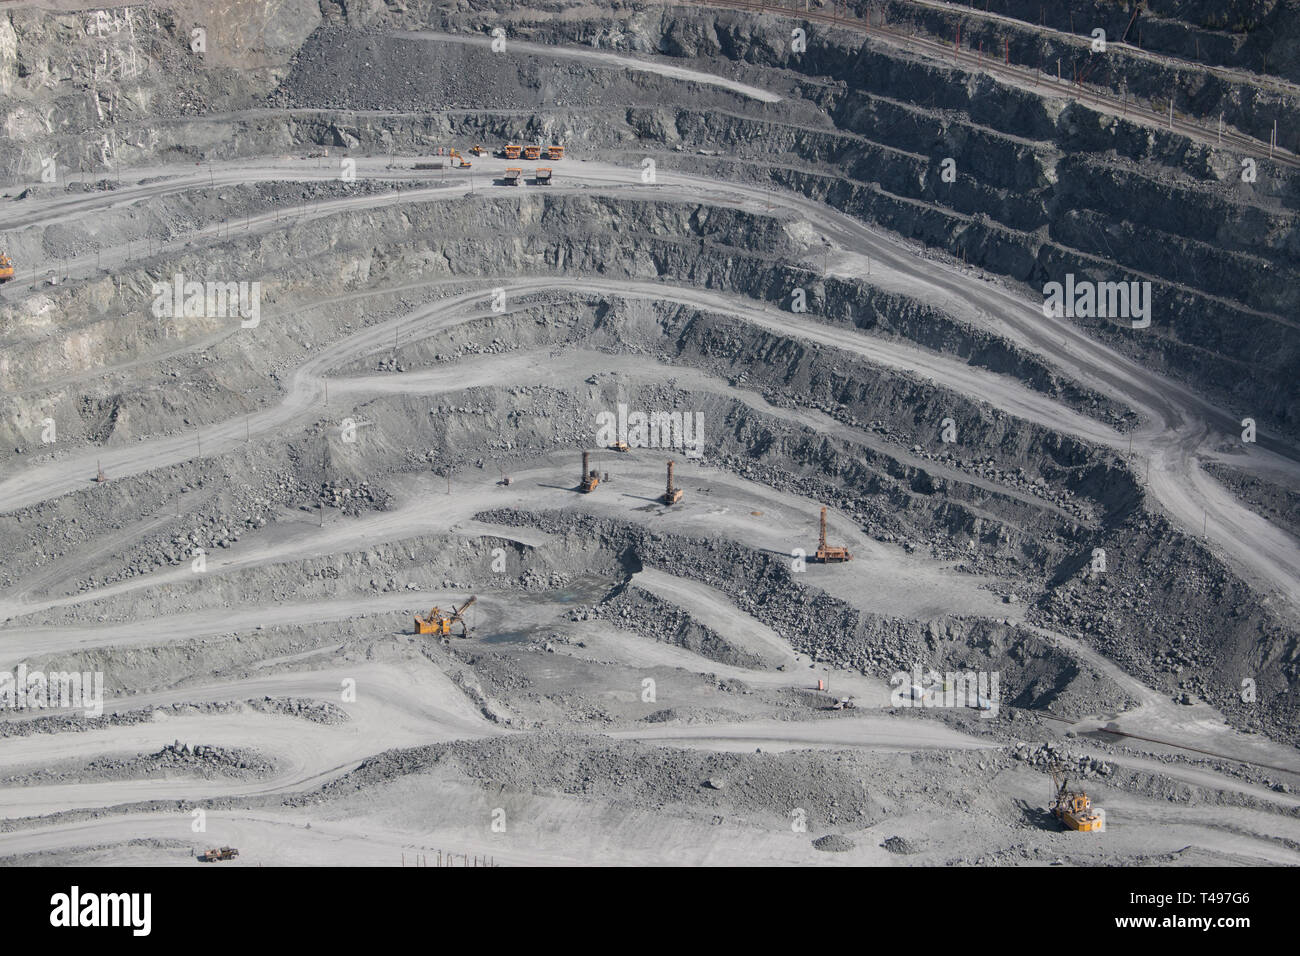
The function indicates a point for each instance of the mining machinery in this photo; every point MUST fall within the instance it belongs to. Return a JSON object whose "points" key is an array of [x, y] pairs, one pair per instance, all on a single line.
{"points": [[828, 552], [671, 495]]}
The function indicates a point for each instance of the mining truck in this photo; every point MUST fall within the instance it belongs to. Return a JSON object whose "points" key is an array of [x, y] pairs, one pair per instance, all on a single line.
{"points": [[213, 855]]}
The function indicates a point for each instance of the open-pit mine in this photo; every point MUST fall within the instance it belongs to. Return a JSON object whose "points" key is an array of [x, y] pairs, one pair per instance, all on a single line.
{"points": [[632, 432]]}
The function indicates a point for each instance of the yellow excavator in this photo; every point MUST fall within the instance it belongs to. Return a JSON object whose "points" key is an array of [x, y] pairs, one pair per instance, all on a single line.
{"points": [[1072, 807], [6, 268], [438, 623]]}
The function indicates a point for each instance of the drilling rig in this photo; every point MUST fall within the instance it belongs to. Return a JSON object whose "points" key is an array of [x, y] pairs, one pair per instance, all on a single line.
{"points": [[672, 495], [827, 552], [590, 479]]}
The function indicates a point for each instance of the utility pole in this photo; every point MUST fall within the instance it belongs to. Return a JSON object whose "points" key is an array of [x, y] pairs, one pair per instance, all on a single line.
{"points": [[324, 470]]}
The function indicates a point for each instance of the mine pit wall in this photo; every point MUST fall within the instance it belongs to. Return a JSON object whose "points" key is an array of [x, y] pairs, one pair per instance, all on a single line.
{"points": [[1167, 149], [1223, 627], [197, 662], [1179, 615], [507, 237], [1203, 32], [1206, 30], [132, 61], [832, 786], [1174, 616], [1246, 358], [831, 631], [1193, 323], [409, 433], [423, 560], [1240, 356], [650, 616], [433, 563], [970, 522]]}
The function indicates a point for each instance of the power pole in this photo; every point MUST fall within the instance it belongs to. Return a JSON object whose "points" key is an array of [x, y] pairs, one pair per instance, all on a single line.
{"points": [[325, 476]]}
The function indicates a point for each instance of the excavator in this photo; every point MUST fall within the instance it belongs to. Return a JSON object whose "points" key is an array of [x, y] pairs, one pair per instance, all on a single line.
{"points": [[1072, 807], [6, 268], [457, 160], [438, 623]]}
